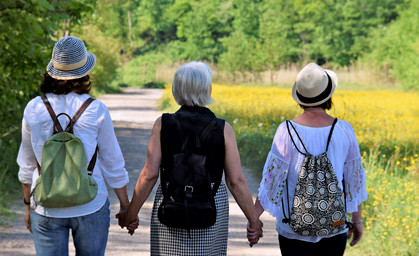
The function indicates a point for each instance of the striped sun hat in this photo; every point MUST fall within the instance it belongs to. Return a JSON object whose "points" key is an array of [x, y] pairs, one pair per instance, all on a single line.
{"points": [[70, 59]]}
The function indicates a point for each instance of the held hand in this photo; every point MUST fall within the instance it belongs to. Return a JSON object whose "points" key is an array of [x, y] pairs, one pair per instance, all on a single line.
{"points": [[125, 221], [121, 216], [252, 236], [254, 232], [28, 220], [357, 233], [133, 226]]}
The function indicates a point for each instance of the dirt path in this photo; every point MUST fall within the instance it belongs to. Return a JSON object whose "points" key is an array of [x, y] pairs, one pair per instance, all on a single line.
{"points": [[133, 113]]}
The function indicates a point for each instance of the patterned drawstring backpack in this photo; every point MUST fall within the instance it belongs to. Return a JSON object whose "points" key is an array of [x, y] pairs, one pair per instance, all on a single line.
{"points": [[319, 205]]}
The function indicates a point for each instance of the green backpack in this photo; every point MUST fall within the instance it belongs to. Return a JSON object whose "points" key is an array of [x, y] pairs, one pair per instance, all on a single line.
{"points": [[64, 180]]}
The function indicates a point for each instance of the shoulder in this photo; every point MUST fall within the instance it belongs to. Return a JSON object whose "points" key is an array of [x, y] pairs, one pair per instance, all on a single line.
{"points": [[32, 110], [33, 103], [347, 130], [282, 129], [158, 122], [228, 129], [346, 126]]}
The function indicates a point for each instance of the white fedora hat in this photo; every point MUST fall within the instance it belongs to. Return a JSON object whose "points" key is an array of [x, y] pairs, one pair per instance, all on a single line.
{"points": [[70, 59], [314, 85]]}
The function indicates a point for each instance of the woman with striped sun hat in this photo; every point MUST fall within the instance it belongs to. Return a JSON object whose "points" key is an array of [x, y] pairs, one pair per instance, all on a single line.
{"points": [[66, 85]]}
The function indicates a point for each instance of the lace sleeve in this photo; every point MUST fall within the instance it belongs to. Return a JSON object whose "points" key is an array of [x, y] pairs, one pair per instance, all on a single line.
{"points": [[354, 175], [273, 184]]}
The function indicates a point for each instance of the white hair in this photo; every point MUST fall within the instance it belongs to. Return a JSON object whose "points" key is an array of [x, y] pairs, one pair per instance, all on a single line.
{"points": [[192, 84]]}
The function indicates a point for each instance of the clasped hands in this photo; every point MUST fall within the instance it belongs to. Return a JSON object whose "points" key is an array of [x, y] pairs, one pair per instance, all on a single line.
{"points": [[130, 222], [254, 232]]}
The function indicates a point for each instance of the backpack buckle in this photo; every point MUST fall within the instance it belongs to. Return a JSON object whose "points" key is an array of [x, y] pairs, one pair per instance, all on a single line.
{"points": [[188, 189]]}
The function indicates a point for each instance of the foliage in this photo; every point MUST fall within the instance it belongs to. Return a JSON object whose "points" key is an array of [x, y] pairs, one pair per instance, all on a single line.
{"points": [[105, 35], [387, 129], [242, 36], [140, 71], [396, 46], [27, 30]]}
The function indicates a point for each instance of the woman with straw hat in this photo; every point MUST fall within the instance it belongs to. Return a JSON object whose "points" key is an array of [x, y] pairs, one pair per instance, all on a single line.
{"points": [[309, 135], [66, 85]]}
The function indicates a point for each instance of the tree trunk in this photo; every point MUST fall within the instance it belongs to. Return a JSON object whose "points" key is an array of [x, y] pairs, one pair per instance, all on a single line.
{"points": [[130, 29]]}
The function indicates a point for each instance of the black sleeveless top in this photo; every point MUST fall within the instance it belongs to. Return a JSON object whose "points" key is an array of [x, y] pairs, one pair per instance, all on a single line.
{"points": [[193, 120]]}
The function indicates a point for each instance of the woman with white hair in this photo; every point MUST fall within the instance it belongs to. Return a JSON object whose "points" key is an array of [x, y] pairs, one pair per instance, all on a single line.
{"points": [[215, 138], [313, 175]]}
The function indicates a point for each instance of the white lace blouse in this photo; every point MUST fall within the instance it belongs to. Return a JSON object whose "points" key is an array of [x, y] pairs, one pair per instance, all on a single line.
{"points": [[285, 161]]}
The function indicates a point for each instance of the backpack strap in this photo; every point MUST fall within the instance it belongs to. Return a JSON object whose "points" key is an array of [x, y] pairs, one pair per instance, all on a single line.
{"points": [[69, 128], [57, 126], [330, 133], [293, 142], [204, 136], [285, 219], [208, 129], [78, 114]]}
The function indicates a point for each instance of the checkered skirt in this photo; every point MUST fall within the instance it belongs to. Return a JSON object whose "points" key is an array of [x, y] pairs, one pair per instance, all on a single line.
{"points": [[207, 241]]}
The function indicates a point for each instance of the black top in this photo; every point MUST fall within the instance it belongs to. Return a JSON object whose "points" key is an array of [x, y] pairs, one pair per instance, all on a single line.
{"points": [[193, 120]]}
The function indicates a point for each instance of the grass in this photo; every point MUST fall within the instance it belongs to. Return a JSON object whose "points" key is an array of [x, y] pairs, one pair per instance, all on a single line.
{"points": [[386, 124]]}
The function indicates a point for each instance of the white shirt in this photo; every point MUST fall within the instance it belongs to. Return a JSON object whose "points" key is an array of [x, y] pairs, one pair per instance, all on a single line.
{"points": [[94, 127], [285, 161]]}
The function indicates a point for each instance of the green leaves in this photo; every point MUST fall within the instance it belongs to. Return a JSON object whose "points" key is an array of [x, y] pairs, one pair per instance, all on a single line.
{"points": [[396, 47], [28, 29]]}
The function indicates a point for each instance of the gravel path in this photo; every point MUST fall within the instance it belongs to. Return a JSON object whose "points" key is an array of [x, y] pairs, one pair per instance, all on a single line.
{"points": [[133, 113]]}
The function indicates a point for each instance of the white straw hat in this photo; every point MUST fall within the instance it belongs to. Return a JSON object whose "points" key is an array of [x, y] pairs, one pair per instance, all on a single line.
{"points": [[314, 85], [70, 59]]}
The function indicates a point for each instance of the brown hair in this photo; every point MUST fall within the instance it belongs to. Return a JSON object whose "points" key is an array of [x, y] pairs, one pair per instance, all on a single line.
{"points": [[325, 105], [51, 85]]}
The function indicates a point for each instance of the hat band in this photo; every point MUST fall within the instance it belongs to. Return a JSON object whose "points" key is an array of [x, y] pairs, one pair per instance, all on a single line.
{"points": [[319, 97], [71, 66]]}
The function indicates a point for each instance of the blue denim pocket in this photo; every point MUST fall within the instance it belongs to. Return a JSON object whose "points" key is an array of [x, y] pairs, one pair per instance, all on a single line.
{"points": [[39, 219]]}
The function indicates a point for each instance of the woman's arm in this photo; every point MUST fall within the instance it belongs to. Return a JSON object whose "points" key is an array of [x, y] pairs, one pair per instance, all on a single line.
{"points": [[357, 231], [236, 181], [122, 195], [148, 176], [27, 198], [258, 207]]}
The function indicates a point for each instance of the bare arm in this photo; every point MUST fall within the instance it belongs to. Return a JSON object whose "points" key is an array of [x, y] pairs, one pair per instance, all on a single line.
{"points": [[148, 176], [357, 231], [258, 207], [27, 197], [236, 181], [122, 195]]}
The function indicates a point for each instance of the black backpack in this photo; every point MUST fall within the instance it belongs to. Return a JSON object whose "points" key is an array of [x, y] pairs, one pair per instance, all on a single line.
{"points": [[319, 205], [188, 196]]}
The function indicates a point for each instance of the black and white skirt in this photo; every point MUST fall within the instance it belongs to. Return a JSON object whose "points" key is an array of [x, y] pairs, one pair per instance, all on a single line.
{"points": [[208, 241]]}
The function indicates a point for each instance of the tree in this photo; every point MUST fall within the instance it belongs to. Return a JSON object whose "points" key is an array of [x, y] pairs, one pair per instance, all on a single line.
{"points": [[396, 46], [27, 30]]}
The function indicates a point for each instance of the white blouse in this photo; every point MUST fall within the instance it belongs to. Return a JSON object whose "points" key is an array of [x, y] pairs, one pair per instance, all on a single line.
{"points": [[94, 127], [285, 161]]}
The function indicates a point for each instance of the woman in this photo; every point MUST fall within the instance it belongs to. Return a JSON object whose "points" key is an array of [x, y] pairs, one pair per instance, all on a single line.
{"points": [[192, 91], [66, 85], [309, 132]]}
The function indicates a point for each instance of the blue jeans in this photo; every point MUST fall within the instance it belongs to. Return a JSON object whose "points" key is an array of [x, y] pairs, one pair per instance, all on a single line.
{"points": [[90, 233], [332, 246]]}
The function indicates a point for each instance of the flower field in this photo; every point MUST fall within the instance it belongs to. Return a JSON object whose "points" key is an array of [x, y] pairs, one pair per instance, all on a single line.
{"points": [[386, 124]]}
